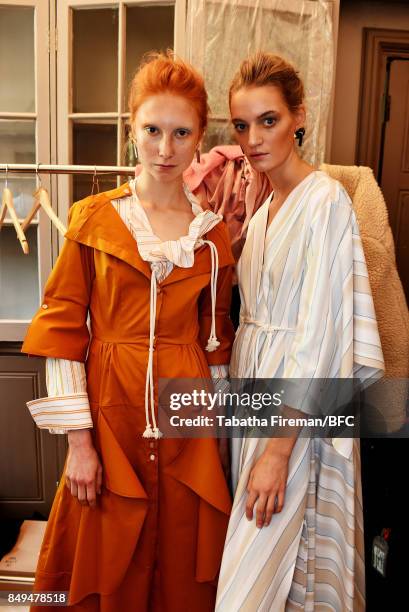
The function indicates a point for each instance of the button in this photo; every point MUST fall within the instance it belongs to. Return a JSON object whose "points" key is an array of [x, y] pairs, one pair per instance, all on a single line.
{"points": [[45, 306], [152, 457], [158, 290], [152, 444]]}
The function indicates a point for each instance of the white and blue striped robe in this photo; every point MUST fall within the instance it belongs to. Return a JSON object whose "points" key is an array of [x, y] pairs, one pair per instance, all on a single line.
{"points": [[306, 275]]}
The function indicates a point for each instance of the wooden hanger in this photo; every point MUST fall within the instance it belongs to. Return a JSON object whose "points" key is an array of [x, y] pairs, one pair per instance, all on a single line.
{"points": [[42, 200], [7, 204], [95, 182]]}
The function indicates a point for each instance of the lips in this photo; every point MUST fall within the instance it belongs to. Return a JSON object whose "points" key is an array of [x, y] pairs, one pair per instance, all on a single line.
{"points": [[258, 155]]}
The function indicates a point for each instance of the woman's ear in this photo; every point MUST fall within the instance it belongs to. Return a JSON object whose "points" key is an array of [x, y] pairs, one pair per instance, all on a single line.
{"points": [[300, 116]]}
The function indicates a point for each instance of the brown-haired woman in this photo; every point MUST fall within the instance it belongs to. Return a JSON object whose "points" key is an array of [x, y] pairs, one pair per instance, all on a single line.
{"points": [[138, 522], [295, 535]]}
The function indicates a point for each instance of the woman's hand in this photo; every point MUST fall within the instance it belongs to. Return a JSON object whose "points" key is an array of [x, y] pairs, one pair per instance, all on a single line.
{"points": [[267, 481], [83, 474]]}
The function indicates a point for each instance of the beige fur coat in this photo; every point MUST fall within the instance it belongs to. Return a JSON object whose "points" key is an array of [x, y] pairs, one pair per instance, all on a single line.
{"points": [[387, 291]]}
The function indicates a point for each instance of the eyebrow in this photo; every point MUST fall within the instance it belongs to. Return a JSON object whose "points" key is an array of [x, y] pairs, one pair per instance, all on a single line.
{"points": [[269, 112], [154, 124]]}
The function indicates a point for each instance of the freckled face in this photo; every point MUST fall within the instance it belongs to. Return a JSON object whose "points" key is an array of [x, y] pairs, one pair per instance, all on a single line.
{"points": [[264, 126], [167, 132]]}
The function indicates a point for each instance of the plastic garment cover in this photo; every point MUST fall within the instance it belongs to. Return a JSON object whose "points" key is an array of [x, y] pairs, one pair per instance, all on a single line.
{"points": [[221, 33]]}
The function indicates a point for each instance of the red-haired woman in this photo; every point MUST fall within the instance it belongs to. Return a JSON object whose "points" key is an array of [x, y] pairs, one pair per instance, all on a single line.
{"points": [[138, 522]]}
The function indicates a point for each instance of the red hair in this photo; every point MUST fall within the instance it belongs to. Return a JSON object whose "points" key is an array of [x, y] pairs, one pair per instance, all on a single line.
{"points": [[164, 73]]}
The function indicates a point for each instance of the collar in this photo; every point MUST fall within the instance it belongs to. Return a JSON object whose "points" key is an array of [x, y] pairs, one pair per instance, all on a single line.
{"points": [[180, 252], [95, 223]]}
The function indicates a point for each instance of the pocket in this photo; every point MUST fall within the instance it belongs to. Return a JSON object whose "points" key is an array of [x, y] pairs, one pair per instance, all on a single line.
{"points": [[302, 557], [297, 595], [105, 378], [93, 371]]}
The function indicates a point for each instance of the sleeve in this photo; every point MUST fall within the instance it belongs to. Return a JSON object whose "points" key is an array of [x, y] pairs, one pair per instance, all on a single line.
{"points": [[224, 325], [59, 328], [326, 300], [336, 326], [67, 405], [219, 371], [322, 344]]}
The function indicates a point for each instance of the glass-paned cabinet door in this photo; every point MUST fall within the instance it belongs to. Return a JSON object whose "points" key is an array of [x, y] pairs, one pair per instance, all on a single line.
{"points": [[100, 46], [24, 139]]}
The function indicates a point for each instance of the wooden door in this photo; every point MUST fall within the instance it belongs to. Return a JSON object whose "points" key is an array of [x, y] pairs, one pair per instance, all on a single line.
{"points": [[395, 166]]}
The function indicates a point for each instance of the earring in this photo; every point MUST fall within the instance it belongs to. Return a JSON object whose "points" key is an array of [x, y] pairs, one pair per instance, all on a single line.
{"points": [[299, 135], [135, 150], [198, 156]]}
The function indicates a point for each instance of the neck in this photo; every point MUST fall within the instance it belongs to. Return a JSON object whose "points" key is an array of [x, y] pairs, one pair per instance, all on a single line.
{"points": [[158, 194], [287, 176]]}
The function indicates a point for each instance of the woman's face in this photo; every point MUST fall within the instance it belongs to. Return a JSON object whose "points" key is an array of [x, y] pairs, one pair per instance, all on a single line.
{"points": [[167, 133], [264, 126]]}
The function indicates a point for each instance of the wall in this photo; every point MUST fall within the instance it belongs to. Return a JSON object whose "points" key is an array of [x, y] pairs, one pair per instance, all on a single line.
{"points": [[354, 16]]}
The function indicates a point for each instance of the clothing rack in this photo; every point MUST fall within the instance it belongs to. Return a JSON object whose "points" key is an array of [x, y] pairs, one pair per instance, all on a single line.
{"points": [[41, 195], [66, 169]]}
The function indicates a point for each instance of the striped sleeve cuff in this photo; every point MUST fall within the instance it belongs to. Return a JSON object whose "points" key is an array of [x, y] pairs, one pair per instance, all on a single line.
{"points": [[219, 371], [61, 413], [220, 377]]}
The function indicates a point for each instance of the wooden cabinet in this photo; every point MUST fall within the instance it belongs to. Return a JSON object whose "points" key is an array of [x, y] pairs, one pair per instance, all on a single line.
{"points": [[31, 460]]}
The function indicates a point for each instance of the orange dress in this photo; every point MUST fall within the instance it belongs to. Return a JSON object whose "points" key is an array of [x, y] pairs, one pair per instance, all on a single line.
{"points": [[154, 541]]}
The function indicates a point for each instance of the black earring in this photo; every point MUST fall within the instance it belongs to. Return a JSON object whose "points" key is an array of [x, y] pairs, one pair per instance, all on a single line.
{"points": [[299, 135]]}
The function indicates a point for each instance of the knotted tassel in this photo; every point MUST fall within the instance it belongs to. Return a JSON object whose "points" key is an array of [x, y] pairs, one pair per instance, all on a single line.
{"points": [[148, 433], [212, 344]]}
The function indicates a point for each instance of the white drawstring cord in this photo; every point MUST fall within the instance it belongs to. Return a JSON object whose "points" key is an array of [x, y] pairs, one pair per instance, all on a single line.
{"points": [[151, 432], [213, 343], [262, 328]]}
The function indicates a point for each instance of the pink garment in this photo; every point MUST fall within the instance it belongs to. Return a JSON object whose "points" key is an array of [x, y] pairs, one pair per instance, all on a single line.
{"points": [[225, 182]]}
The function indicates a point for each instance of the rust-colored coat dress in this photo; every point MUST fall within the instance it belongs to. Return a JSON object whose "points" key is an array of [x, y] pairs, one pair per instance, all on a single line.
{"points": [[155, 540]]}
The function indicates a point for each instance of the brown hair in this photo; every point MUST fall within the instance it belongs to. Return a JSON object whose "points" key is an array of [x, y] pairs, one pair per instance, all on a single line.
{"points": [[267, 69], [164, 73]]}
